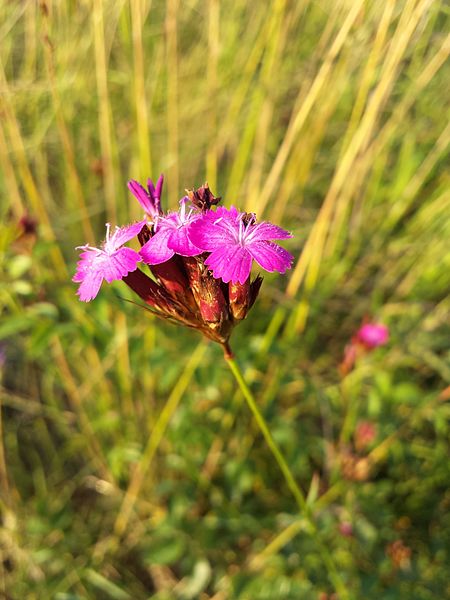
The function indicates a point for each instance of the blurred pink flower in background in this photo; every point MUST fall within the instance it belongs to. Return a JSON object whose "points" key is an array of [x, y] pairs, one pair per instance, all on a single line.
{"points": [[372, 335], [368, 337], [365, 433], [346, 529]]}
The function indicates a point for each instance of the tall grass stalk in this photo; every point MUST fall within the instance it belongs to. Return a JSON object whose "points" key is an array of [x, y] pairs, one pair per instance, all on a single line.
{"points": [[154, 440], [172, 99], [299, 117], [212, 85], [104, 123], [142, 124]]}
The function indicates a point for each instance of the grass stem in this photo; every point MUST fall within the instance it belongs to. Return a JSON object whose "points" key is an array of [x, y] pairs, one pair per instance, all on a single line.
{"points": [[155, 439]]}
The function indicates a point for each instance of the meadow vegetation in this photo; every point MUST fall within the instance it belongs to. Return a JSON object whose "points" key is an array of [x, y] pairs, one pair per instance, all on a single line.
{"points": [[130, 465]]}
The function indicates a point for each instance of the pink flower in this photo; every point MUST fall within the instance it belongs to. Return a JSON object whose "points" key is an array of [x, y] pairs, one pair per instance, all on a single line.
{"points": [[234, 239], [172, 235], [372, 335], [149, 200], [365, 433], [346, 529], [110, 262]]}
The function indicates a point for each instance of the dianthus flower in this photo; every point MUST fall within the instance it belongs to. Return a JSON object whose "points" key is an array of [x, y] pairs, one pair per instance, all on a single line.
{"points": [[200, 258], [234, 239], [171, 236], [110, 262], [373, 335]]}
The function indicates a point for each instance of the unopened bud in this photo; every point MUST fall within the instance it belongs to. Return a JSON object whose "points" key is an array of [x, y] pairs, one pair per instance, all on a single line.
{"points": [[144, 235], [210, 299], [212, 303], [255, 286], [145, 288], [202, 197], [171, 276], [192, 268], [207, 293], [239, 296]]}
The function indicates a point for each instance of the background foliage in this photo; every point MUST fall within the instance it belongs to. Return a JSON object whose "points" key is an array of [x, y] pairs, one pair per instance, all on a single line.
{"points": [[330, 118]]}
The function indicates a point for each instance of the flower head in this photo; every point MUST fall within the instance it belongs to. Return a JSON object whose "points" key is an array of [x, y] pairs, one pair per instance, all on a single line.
{"points": [[234, 239], [110, 262], [372, 335], [149, 199], [171, 236], [199, 257]]}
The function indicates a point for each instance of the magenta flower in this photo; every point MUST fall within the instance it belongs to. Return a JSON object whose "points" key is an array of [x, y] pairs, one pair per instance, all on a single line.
{"points": [[234, 239], [373, 335], [192, 253], [365, 433], [149, 200], [110, 262], [171, 235]]}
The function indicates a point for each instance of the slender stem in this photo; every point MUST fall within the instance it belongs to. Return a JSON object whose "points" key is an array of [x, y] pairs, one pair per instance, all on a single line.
{"points": [[293, 486], [304, 508]]}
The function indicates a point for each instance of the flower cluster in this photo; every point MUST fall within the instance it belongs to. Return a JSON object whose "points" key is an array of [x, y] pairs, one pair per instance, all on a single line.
{"points": [[200, 257]]}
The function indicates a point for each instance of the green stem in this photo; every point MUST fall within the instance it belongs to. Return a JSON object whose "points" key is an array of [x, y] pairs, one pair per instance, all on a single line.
{"points": [[293, 486], [303, 506]]}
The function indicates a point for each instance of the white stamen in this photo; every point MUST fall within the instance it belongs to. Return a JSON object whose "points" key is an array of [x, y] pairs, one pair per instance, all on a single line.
{"points": [[182, 211], [241, 230]]}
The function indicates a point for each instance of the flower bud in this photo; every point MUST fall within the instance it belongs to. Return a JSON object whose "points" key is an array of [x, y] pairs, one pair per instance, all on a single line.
{"points": [[212, 303], [208, 294], [239, 296], [202, 197], [173, 279], [145, 288]]}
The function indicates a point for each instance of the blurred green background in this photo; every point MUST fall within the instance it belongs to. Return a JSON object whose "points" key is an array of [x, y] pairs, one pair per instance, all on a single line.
{"points": [[130, 467]]}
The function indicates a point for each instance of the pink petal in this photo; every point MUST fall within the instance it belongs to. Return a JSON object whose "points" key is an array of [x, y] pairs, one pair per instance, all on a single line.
{"points": [[119, 264], [156, 250], [90, 286], [84, 264], [96, 265], [169, 221], [209, 232], [230, 263], [124, 234], [266, 231], [141, 195], [270, 256], [180, 243], [156, 190], [232, 213]]}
